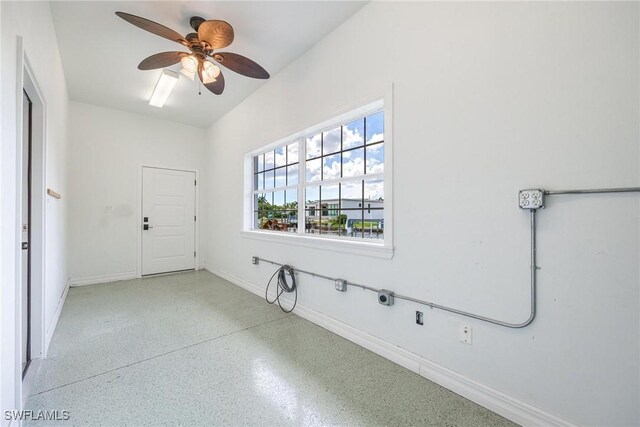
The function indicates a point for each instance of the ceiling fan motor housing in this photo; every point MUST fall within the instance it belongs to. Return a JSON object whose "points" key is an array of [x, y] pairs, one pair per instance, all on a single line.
{"points": [[195, 22]]}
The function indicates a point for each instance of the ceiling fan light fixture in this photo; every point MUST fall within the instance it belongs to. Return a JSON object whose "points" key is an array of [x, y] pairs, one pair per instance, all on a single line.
{"points": [[165, 85], [210, 72], [189, 63]]}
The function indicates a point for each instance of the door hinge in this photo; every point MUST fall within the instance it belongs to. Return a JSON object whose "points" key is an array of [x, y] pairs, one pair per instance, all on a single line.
{"points": [[195, 182], [194, 218], [194, 254]]}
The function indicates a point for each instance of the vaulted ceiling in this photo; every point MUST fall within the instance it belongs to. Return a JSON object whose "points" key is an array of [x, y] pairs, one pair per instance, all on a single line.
{"points": [[100, 52]]}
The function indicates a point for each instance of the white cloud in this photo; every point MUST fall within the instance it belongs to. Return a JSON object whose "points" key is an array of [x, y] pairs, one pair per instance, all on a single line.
{"points": [[331, 141], [313, 146], [351, 138], [293, 152], [375, 166], [376, 137], [281, 156]]}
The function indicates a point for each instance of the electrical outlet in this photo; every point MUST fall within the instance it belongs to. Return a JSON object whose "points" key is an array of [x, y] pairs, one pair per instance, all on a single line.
{"points": [[385, 297], [531, 199], [466, 334], [255, 260], [341, 285]]}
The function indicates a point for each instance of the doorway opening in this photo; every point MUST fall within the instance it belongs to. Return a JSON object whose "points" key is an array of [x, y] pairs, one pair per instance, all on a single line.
{"points": [[31, 202], [25, 295]]}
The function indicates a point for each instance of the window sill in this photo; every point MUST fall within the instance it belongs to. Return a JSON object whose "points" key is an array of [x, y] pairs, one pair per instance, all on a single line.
{"points": [[376, 250]]}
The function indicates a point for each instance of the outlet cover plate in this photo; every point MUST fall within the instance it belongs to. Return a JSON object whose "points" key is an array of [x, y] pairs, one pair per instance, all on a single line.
{"points": [[531, 199]]}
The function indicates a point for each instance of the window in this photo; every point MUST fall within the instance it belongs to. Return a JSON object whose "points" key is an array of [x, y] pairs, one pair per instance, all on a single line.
{"points": [[327, 182]]}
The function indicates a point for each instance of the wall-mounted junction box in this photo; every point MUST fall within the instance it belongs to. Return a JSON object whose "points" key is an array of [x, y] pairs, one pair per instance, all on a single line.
{"points": [[531, 199], [255, 260]]}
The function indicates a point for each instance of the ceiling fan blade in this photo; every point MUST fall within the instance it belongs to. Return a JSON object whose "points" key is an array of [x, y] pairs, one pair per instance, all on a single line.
{"points": [[152, 27], [216, 87], [241, 65], [160, 60], [218, 34]]}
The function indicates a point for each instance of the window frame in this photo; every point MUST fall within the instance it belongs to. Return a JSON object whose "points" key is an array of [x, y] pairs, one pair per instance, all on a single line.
{"points": [[373, 247]]}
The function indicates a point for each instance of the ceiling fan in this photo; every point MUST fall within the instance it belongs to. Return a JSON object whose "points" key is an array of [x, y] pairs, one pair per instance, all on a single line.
{"points": [[210, 36]]}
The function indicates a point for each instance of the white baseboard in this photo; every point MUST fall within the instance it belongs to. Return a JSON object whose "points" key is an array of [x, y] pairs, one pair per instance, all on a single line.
{"points": [[54, 322], [511, 408], [93, 280]]}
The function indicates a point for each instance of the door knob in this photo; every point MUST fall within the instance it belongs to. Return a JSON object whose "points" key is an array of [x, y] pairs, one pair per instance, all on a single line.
{"points": [[146, 226]]}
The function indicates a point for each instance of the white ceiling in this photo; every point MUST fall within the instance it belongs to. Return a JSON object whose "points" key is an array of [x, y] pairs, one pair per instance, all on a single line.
{"points": [[100, 52]]}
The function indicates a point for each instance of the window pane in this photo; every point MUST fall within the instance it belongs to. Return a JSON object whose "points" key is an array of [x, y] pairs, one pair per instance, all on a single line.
{"points": [[278, 200], [375, 158], [281, 177], [353, 163], [259, 181], [375, 128], [313, 170], [268, 179], [292, 175], [292, 150], [331, 142], [264, 207], [331, 167], [268, 160], [290, 221], [258, 163], [281, 156], [351, 195], [313, 146], [291, 199], [374, 190], [353, 134], [311, 195], [330, 194], [291, 204]]}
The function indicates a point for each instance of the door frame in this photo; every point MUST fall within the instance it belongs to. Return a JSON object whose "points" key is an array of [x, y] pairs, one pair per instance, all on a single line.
{"points": [[25, 80], [141, 166]]}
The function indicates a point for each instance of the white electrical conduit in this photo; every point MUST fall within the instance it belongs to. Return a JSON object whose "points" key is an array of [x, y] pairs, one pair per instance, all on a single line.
{"points": [[533, 266]]}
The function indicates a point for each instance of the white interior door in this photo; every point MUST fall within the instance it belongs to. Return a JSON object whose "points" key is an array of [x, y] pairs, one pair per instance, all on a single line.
{"points": [[168, 214]]}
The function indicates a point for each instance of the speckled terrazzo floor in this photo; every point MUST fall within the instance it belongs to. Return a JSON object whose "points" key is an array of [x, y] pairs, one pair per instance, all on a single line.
{"points": [[193, 349]]}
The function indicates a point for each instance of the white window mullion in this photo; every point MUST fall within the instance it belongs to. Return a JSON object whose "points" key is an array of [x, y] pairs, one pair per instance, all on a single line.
{"points": [[302, 177]]}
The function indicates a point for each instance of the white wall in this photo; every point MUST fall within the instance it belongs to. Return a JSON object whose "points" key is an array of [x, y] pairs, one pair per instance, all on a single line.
{"points": [[33, 22], [106, 149], [489, 98]]}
